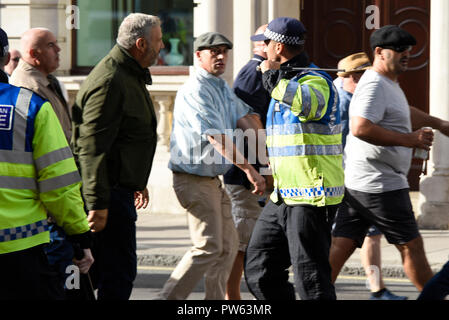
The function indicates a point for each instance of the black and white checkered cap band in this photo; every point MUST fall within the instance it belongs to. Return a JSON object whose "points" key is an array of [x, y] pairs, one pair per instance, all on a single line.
{"points": [[294, 41]]}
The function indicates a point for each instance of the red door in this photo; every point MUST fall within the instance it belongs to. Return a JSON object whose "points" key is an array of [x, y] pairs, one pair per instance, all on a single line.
{"points": [[337, 28]]}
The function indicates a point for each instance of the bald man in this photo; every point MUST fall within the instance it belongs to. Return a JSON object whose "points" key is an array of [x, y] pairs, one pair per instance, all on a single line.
{"points": [[245, 205], [40, 57]]}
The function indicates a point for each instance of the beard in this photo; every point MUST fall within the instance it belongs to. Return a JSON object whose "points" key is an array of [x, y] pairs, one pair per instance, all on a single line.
{"points": [[153, 55]]}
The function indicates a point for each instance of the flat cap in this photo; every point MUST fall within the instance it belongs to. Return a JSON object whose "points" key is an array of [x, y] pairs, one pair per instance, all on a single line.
{"points": [[356, 62], [211, 39], [4, 44], [391, 35], [284, 30]]}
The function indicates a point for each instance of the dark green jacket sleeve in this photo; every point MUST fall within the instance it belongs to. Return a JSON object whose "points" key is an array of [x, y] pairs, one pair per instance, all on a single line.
{"points": [[101, 117]]}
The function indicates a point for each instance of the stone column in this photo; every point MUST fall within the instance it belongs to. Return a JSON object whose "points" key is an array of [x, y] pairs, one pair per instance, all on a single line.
{"points": [[164, 122], [244, 27], [433, 205], [162, 196], [285, 8], [215, 15]]}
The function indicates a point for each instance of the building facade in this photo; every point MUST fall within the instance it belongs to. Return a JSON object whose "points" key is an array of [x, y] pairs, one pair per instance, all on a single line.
{"points": [[86, 31]]}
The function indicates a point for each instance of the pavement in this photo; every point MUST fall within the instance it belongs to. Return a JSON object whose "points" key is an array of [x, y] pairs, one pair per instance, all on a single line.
{"points": [[162, 240]]}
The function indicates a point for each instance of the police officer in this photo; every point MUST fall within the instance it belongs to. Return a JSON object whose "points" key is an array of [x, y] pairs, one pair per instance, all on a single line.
{"points": [[5, 56], [304, 147], [38, 175]]}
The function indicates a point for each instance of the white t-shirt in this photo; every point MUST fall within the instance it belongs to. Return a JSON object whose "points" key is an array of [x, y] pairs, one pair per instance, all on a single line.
{"points": [[371, 168]]}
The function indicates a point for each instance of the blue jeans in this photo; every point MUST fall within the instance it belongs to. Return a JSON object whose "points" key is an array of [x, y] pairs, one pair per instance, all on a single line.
{"points": [[438, 287], [291, 235], [115, 248]]}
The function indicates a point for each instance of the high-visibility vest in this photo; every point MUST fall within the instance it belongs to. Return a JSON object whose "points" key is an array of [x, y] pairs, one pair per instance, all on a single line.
{"points": [[37, 173], [304, 141]]}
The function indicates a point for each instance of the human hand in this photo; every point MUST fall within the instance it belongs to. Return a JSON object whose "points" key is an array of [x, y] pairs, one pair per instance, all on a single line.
{"points": [[421, 139], [141, 199], [269, 65], [86, 262], [257, 181], [97, 219], [269, 181]]}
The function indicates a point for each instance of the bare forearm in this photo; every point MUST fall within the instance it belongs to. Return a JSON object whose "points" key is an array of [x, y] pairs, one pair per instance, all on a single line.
{"points": [[377, 135], [227, 149], [257, 138], [421, 119]]}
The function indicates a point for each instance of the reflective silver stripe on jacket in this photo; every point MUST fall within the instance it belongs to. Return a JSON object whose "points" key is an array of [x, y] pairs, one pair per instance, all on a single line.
{"points": [[302, 128], [15, 156], [59, 182], [20, 119], [306, 101], [22, 232], [53, 157], [321, 103], [306, 150], [17, 183], [290, 92]]}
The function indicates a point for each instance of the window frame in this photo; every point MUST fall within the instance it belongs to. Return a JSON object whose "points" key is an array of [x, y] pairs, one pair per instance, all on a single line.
{"points": [[83, 70]]}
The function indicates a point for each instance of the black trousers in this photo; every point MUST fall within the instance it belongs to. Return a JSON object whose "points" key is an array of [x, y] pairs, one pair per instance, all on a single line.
{"points": [[284, 236], [115, 266], [26, 275]]}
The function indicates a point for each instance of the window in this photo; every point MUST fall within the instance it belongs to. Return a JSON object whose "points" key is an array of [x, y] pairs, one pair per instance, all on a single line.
{"points": [[100, 20]]}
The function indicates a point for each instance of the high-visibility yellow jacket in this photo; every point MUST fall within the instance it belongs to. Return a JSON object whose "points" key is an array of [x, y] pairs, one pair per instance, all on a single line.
{"points": [[37, 173], [304, 141]]}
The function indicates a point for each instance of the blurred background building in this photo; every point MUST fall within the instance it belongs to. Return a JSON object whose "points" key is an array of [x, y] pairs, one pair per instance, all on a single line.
{"points": [[86, 31]]}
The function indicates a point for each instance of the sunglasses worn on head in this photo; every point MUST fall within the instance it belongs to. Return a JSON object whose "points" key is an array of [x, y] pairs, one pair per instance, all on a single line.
{"points": [[398, 48]]}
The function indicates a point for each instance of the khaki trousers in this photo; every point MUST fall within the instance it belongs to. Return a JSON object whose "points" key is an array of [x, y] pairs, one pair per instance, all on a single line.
{"points": [[214, 237]]}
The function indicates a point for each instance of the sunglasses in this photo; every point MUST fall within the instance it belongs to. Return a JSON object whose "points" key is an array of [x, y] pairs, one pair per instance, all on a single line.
{"points": [[398, 48], [16, 59], [215, 51]]}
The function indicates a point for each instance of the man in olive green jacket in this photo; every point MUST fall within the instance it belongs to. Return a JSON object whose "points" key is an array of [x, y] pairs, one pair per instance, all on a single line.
{"points": [[114, 139]]}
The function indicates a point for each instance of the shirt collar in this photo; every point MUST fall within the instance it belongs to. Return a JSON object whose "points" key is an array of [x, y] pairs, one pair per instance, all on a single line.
{"points": [[259, 58], [202, 73]]}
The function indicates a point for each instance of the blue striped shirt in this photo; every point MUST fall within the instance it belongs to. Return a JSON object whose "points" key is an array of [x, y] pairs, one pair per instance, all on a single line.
{"points": [[204, 105]]}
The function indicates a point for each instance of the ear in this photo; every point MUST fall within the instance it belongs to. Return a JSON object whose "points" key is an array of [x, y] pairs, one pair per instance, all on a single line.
{"points": [[279, 48], [34, 53], [140, 44], [198, 55], [378, 51], [8, 58]]}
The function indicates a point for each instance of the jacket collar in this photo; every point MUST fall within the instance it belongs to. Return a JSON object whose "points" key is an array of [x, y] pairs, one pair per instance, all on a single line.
{"points": [[122, 57], [301, 60], [32, 73]]}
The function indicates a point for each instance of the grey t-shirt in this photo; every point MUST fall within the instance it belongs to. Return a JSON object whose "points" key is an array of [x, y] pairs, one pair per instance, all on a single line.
{"points": [[371, 168]]}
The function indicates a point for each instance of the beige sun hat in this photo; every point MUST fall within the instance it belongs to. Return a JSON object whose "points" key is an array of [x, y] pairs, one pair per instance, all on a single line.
{"points": [[356, 62]]}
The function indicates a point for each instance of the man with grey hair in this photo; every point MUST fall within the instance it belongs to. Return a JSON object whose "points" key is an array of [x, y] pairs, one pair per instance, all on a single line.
{"points": [[114, 140]]}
